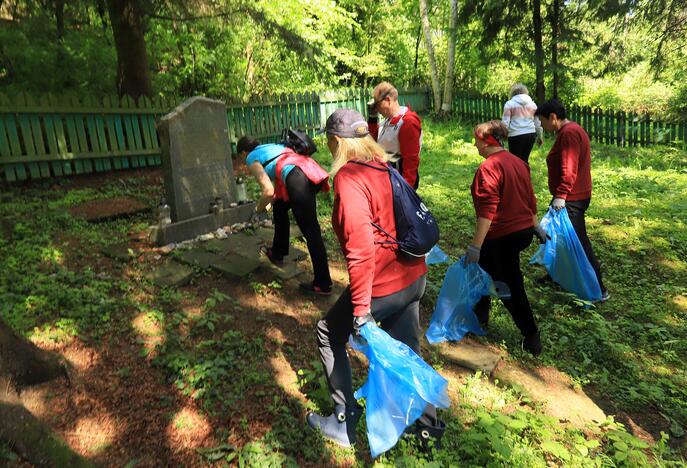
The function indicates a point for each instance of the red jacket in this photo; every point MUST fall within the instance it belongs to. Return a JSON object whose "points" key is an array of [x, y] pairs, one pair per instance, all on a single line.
{"points": [[409, 142], [502, 192], [570, 164], [361, 196], [308, 165]]}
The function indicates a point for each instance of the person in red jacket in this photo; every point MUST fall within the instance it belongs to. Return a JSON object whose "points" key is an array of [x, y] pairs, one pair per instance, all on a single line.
{"points": [[290, 181], [385, 286], [570, 174], [401, 133], [506, 222]]}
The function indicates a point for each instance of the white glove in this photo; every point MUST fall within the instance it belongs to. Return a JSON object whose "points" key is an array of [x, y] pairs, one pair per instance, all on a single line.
{"points": [[558, 204], [472, 255]]}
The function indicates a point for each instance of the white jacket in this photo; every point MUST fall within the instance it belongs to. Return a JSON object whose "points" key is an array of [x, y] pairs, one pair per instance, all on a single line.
{"points": [[518, 115]]}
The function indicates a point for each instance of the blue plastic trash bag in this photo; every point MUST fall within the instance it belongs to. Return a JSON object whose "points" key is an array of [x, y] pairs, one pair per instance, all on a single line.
{"points": [[454, 314], [398, 388], [564, 257], [436, 256]]}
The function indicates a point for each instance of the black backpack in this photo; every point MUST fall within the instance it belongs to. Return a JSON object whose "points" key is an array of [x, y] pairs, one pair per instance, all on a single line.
{"points": [[416, 229], [299, 141]]}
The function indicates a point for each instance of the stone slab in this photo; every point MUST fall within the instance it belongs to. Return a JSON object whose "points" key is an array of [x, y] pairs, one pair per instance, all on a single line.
{"points": [[120, 251], [190, 228], [288, 271], [170, 274], [236, 266], [554, 389], [111, 208], [199, 257], [471, 355], [295, 231], [265, 234], [295, 255]]}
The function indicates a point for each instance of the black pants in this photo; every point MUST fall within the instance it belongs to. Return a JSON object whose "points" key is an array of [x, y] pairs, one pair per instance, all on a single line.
{"points": [[501, 259], [398, 314], [576, 210], [398, 165], [522, 145], [303, 203]]}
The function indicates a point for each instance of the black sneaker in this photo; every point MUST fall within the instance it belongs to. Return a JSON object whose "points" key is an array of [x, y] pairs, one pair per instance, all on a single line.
{"points": [[310, 288], [605, 295], [532, 344], [277, 260]]}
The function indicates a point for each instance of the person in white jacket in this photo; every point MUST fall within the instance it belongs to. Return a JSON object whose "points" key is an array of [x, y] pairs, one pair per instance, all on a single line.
{"points": [[524, 127]]}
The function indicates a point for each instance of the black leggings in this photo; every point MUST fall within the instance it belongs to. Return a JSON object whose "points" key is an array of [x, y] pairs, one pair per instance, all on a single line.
{"points": [[522, 145], [303, 203], [501, 259], [576, 210]]}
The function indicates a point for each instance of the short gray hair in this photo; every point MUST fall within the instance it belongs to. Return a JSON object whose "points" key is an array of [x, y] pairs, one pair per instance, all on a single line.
{"points": [[518, 88]]}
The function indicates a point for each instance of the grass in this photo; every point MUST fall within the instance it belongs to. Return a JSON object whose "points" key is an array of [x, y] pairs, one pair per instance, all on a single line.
{"points": [[210, 343]]}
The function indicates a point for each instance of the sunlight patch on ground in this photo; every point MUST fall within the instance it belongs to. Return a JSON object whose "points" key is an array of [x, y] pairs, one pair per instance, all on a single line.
{"points": [[188, 429], [81, 358], [681, 302], [674, 265], [285, 377], [149, 326], [93, 434]]}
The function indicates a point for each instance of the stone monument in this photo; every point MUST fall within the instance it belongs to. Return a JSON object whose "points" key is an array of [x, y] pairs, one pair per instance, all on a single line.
{"points": [[197, 168]]}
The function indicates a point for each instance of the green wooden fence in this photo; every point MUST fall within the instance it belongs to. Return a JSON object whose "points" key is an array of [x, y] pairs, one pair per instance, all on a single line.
{"points": [[603, 126], [56, 136]]}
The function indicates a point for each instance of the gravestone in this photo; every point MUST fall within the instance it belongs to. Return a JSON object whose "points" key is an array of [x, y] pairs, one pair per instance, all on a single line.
{"points": [[197, 168]]}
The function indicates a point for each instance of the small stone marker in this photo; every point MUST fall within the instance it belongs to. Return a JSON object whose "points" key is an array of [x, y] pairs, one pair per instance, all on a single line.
{"points": [[120, 251], [170, 274]]}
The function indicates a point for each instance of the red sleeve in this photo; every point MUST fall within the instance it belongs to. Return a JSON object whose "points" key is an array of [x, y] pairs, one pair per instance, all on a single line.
{"points": [[486, 192], [353, 217], [409, 144], [570, 159], [373, 127]]}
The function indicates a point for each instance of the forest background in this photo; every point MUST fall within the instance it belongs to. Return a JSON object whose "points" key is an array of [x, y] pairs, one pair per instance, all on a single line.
{"points": [[619, 54]]}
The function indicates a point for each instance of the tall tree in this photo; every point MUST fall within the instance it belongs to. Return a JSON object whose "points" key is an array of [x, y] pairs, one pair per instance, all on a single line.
{"points": [[436, 89], [554, 17], [540, 89], [133, 74], [447, 105]]}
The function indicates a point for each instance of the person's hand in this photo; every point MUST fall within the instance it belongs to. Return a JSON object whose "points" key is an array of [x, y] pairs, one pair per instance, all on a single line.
{"points": [[472, 255], [360, 320], [372, 112], [541, 234], [558, 204]]}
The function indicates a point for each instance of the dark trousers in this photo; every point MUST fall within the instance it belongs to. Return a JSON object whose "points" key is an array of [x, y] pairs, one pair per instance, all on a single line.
{"points": [[303, 203], [398, 165], [576, 210], [522, 145], [501, 259], [398, 314]]}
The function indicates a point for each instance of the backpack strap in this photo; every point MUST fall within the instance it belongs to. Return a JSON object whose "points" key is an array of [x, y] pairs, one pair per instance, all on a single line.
{"points": [[383, 169], [394, 241]]}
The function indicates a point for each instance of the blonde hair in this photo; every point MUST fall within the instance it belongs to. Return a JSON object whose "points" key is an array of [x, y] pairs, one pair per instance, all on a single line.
{"points": [[363, 149], [383, 90], [518, 88], [495, 128]]}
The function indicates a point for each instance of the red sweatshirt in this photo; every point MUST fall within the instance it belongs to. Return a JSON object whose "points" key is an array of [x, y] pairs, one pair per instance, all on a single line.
{"points": [[402, 134], [502, 192], [362, 195], [570, 164]]}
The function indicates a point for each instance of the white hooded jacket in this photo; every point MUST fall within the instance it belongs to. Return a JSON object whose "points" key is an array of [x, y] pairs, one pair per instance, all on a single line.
{"points": [[518, 115]]}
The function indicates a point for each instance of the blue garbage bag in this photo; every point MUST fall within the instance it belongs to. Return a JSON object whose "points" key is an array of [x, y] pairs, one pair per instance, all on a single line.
{"points": [[454, 314], [436, 256], [564, 257], [398, 388]]}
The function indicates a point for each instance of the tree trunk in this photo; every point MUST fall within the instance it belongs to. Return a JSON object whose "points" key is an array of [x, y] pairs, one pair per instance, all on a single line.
{"points": [[554, 19], [436, 88], [447, 105], [23, 364], [418, 38], [133, 75], [540, 89]]}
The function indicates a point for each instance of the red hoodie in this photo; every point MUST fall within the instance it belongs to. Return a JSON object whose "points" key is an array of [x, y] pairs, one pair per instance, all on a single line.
{"points": [[570, 164], [502, 192], [409, 140], [362, 195]]}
